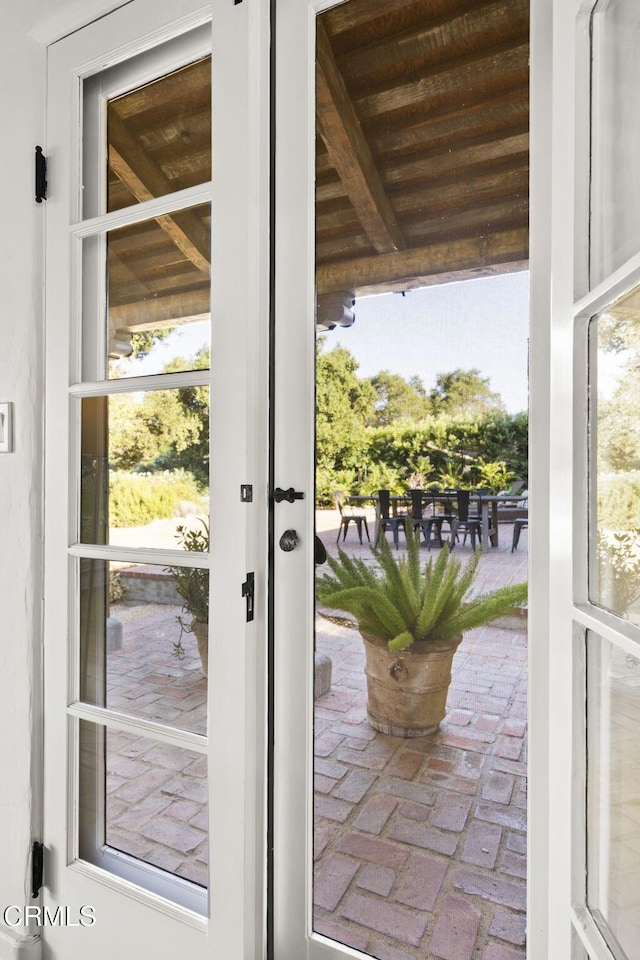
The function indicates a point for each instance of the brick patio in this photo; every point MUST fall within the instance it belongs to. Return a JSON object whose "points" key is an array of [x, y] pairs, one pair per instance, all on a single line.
{"points": [[156, 793], [419, 844]]}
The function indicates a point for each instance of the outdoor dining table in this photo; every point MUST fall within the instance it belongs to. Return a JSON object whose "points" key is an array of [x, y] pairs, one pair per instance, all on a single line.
{"points": [[488, 503]]}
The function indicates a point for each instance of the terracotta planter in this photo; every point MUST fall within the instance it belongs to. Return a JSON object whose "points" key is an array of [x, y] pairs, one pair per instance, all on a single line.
{"points": [[201, 633], [407, 692]]}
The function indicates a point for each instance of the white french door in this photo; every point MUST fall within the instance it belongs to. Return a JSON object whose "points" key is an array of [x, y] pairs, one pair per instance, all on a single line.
{"points": [[154, 814], [157, 329], [584, 757]]}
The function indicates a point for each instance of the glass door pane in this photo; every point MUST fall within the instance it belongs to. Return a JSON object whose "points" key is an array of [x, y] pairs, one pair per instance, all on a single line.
{"points": [[615, 137], [142, 628], [615, 457], [613, 794]]}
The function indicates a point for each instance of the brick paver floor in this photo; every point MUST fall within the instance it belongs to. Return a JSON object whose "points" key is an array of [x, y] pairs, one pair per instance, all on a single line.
{"points": [[419, 844], [156, 793]]}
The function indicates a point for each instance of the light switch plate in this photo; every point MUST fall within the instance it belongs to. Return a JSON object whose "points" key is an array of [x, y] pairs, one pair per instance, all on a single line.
{"points": [[6, 427]]}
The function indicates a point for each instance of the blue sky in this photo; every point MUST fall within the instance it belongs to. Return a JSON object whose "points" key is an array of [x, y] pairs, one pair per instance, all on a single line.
{"points": [[474, 323]]}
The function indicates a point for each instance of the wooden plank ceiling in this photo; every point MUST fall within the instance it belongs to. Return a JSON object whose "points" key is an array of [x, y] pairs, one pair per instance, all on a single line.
{"points": [[422, 158], [423, 147]]}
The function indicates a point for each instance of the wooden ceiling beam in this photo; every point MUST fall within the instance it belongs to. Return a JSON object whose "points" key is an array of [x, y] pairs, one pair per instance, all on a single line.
{"points": [[450, 163], [441, 199], [181, 92], [163, 311], [438, 262], [362, 15], [483, 115], [445, 164], [350, 153], [466, 79], [487, 24], [475, 221], [145, 180]]}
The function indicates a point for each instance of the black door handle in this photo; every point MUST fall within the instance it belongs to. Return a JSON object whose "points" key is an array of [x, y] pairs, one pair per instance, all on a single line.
{"points": [[279, 495], [289, 540]]}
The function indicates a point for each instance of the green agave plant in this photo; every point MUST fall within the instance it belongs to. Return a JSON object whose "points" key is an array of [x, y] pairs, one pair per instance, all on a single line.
{"points": [[397, 604]]}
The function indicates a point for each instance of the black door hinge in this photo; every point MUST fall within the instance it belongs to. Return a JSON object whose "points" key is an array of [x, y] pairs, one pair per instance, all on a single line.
{"points": [[37, 867], [41, 176], [248, 592]]}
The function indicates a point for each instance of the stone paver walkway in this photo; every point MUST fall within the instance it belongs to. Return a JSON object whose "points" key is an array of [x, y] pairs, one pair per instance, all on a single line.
{"points": [[156, 793], [420, 843]]}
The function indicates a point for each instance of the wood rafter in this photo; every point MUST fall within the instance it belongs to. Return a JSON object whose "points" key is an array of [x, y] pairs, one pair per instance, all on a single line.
{"points": [[447, 83], [350, 153], [443, 164], [481, 25], [145, 180], [421, 266], [163, 311]]}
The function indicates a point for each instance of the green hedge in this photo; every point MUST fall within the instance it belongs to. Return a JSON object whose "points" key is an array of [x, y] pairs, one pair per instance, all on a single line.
{"points": [[139, 498], [406, 454], [497, 437]]}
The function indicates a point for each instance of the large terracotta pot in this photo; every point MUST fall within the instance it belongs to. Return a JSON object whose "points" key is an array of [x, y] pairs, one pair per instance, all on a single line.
{"points": [[407, 692], [201, 633]]}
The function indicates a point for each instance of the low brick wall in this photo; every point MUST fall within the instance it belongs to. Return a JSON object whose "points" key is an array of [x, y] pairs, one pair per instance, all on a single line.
{"points": [[149, 584]]}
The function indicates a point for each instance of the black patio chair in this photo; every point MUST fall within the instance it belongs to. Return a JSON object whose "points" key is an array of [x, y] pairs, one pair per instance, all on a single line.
{"points": [[347, 516], [462, 522], [384, 519], [426, 524], [447, 513], [477, 507], [520, 524]]}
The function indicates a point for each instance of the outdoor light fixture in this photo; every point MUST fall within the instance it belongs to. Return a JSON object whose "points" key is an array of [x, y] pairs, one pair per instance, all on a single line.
{"points": [[335, 310]]}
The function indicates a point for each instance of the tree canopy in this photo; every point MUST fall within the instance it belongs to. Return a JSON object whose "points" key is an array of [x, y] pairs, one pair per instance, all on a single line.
{"points": [[464, 393], [344, 404], [398, 399], [163, 429]]}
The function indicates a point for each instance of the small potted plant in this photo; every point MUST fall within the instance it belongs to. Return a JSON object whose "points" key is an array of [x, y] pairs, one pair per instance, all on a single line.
{"points": [[192, 584], [412, 622]]}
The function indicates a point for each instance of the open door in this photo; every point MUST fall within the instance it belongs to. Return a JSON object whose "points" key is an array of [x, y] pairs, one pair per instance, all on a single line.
{"points": [[155, 562], [584, 643]]}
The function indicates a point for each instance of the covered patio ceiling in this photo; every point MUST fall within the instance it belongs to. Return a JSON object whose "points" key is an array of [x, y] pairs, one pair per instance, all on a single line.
{"points": [[421, 171]]}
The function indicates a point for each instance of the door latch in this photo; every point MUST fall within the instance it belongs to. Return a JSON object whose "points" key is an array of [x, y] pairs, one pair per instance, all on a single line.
{"points": [[279, 495], [37, 867], [248, 591]]}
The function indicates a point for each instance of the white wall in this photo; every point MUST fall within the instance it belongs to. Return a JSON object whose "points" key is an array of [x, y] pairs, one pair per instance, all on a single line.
{"points": [[26, 28]]}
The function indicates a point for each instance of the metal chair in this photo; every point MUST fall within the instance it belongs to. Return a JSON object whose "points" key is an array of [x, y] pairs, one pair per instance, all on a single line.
{"points": [[426, 524], [384, 520], [520, 524], [463, 522], [347, 516]]}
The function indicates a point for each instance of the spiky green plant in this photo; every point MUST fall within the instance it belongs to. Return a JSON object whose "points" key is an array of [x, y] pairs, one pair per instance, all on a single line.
{"points": [[397, 604]]}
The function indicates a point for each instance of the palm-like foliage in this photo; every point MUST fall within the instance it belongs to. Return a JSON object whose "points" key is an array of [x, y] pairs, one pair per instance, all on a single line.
{"points": [[397, 604]]}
